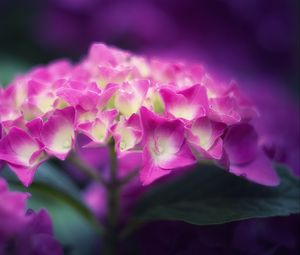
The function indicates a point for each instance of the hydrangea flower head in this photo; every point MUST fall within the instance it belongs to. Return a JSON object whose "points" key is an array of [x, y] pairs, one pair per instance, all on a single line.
{"points": [[173, 113]]}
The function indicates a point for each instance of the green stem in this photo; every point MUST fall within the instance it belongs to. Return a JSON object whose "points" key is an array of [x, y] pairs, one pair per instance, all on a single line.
{"points": [[128, 177], [113, 193], [113, 187], [131, 227], [90, 172]]}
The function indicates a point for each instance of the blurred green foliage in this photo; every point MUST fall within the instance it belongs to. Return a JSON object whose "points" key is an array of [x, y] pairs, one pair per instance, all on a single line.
{"points": [[199, 196], [9, 68], [74, 225]]}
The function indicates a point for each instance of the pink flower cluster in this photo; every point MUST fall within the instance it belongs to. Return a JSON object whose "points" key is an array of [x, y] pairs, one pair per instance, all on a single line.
{"points": [[24, 231], [172, 114]]}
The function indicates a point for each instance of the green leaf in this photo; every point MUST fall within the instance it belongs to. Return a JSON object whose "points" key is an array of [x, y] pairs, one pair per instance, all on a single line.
{"points": [[9, 68], [209, 195], [74, 225]]}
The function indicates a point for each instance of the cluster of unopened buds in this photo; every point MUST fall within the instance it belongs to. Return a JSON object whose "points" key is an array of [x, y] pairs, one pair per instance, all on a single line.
{"points": [[171, 115]]}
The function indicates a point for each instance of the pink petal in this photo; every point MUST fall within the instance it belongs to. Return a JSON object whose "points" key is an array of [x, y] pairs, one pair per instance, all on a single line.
{"points": [[24, 174], [88, 100], [206, 132], [12, 205], [195, 94], [107, 94], [224, 109], [130, 96], [186, 104], [149, 120], [149, 173], [58, 133], [171, 134], [98, 130], [34, 127], [165, 141], [259, 170], [240, 143], [127, 133], [131, 161], [22, 154], [101, 54], [17, 147], [182, 158]]}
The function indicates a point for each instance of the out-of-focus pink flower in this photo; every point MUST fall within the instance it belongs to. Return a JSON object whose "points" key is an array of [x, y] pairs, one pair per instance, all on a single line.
{"points": [[24, 233]]}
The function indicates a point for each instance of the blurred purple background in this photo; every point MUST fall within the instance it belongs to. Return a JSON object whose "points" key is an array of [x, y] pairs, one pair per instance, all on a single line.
{"points": [[247, 39], [255, 42]]}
